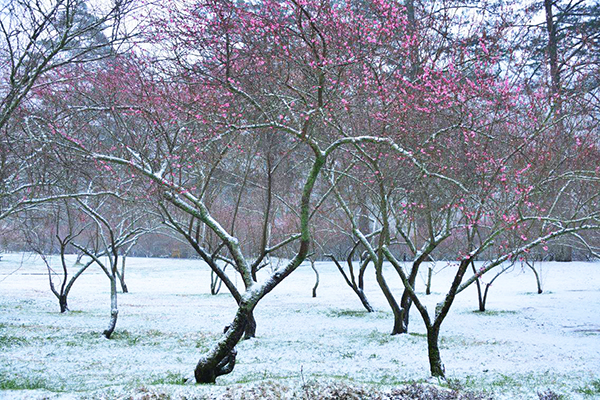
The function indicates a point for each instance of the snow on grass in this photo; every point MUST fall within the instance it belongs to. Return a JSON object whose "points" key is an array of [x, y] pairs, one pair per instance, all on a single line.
{"points": [[524, 344]]}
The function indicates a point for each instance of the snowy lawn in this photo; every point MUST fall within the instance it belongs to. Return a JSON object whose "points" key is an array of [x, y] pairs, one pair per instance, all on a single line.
{"points": [[526, 343]]}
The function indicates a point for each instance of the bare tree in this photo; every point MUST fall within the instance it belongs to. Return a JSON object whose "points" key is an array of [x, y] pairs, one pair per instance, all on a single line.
{"points": [[51, 229], [116, 229]]}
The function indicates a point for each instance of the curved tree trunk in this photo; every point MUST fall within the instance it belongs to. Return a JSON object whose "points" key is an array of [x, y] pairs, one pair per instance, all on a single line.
{"points": [[221, 359], [397, 329], [540, 290], [314, 290], [114, 311]]}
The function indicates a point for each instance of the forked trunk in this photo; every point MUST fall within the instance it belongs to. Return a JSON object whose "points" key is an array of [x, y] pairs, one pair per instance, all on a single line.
{"points": [[406, 301], [479, 294]]}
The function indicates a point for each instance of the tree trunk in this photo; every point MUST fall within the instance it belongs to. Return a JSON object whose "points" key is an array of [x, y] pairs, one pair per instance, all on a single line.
{"points": [[429, 275], [114, 311], [62, 302], [123, 286], [363, 299], [221, 359], [122, 276], [537, 278], [350, 280], [215, 283], [479, 295], [406, 302], [552, 49], [250, 331], [435, 360], [485, 293], [390, 299], [314, 290]]}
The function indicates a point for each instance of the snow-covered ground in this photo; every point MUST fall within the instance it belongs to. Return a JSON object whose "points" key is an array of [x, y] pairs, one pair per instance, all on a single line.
{"points": [[526, 343]]}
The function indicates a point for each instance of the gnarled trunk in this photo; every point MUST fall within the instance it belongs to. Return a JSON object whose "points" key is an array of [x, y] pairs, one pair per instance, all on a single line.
{"points": [[220, 360]]}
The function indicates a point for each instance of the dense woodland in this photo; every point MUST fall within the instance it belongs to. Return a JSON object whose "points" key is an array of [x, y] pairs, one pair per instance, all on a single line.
{"points": [[361, 131]]}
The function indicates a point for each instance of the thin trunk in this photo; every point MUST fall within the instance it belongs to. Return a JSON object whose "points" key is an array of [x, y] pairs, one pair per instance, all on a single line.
{"points": [[480, 298], [351, 281], [406, 301], [215, 282], [397, 329], [552, 51], [314, 290], [441, 311], [221, 359], [114, 311], [537, 278], [415, 65], [384, 241], [484, 300], [363, 299], [429, 276], [121, 275]]}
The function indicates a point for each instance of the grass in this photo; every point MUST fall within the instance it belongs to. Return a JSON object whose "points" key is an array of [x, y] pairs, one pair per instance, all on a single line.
{"points": [[16, 382], [12, 341], [380, 337], [347, 313], [344, 313], [169, 378], [507, 381], [545, 384], [591, 389], [494, 312]]}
